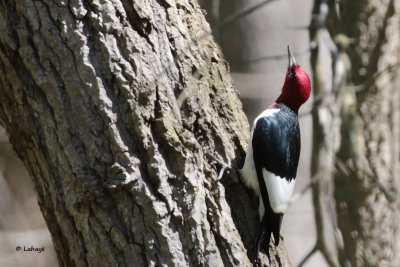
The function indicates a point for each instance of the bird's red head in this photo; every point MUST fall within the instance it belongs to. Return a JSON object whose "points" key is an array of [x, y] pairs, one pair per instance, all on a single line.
{"points": [[297, 87]]}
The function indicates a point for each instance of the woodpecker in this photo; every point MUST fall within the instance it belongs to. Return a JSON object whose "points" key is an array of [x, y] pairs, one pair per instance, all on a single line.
{"points": [[273, 153]]}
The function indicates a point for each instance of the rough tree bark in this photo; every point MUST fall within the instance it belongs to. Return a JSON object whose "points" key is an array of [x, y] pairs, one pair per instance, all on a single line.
{"points": [[356, 124], [114, 108]]}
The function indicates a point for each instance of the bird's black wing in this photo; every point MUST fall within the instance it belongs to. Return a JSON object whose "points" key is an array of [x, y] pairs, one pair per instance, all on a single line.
{"points": [[276, 147], [276, 144]]}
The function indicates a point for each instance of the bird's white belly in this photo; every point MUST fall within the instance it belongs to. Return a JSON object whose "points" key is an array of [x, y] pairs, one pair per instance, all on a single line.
{"points": [[249, 175]]}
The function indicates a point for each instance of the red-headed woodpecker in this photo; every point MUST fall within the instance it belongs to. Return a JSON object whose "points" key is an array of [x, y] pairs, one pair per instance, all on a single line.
{"points": [[273, 153]]}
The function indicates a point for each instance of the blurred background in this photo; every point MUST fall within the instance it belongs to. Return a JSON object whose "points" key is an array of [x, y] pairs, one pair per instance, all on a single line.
{"points": [[21, 222], [347, 212]]}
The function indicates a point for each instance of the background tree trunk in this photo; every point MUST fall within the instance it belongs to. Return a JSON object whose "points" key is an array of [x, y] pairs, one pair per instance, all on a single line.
{"points": [[356, 125], [367, 184], [114, 108], [326, 126]]}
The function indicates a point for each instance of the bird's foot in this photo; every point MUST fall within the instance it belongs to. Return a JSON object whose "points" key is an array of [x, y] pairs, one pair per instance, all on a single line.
{"points": [[257, 259], [262, 243], [225, 167], [256, 262]]}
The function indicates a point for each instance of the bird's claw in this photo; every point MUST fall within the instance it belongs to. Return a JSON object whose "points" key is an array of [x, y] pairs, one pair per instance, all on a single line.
{"points": [[224, 165]]}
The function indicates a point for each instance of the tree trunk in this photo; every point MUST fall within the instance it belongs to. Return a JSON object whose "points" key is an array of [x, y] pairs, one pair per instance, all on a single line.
{"points": [[360, 140], [326, 125], [367, 182], [115, 109]]}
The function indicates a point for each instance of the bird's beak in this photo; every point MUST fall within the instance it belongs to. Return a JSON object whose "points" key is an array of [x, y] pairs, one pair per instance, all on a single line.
{"points": [[292, 61]]}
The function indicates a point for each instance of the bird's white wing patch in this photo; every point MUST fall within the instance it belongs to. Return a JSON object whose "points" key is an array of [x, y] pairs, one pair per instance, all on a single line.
{"points": [[279, 191]]}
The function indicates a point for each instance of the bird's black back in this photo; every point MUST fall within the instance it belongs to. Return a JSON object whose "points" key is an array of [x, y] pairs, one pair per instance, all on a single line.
{"points": [[276, 143]]}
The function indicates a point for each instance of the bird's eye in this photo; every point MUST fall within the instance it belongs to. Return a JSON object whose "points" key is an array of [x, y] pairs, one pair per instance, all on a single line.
{"points": [[292, 75]]}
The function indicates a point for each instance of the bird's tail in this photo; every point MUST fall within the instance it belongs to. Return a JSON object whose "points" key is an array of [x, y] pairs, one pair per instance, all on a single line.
{"points": [[270, 225], [276, 226]]}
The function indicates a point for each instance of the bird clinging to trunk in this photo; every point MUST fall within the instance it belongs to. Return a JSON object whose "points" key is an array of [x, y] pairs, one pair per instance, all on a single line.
{"points": [[273, 154]]}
